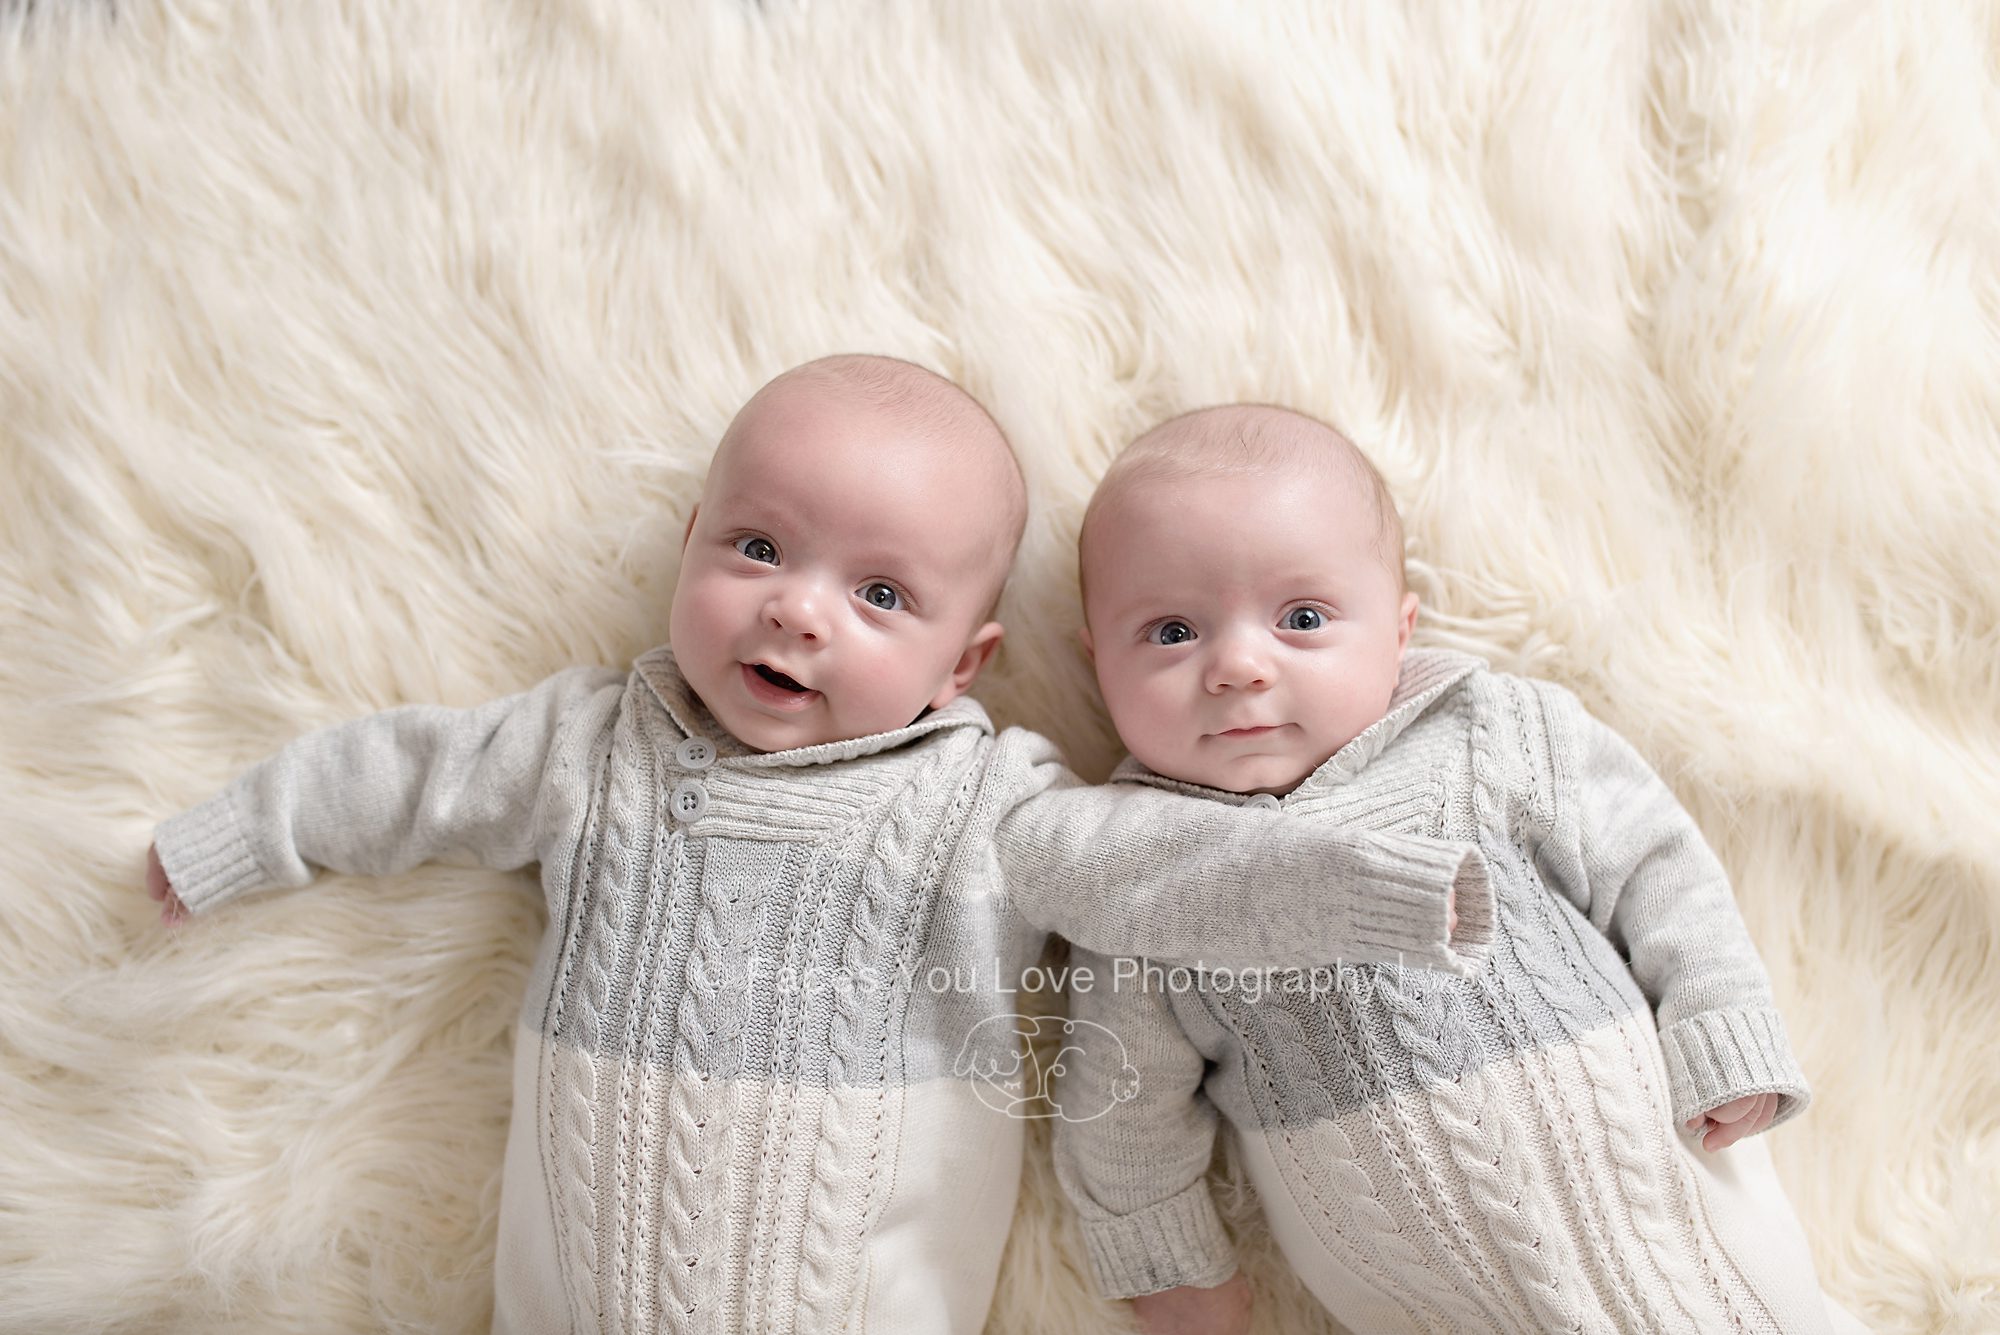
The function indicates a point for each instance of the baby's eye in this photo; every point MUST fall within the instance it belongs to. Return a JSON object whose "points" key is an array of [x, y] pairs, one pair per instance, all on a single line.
{"points": [[1171, 632], [759, 549], [882, 597], [1304, 618]]}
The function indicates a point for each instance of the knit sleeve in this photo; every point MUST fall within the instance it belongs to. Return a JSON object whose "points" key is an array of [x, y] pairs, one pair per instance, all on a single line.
{"points": [[1127, 870], [1634, 861], [382, 794], [1133, 1144]]}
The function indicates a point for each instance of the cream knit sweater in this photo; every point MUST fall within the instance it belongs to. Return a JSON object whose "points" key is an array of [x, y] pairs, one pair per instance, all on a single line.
{"points": [[1497, 1152], [763, 1045]]}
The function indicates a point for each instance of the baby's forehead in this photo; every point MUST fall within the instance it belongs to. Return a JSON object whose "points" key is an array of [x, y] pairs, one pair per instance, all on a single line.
{"points": [[1236, 491], [1243, 476], [880, 499], [1276, 445], [915, 432]]}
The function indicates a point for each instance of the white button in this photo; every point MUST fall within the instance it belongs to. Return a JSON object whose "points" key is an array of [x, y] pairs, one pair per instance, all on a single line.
{"points": [[1264, 800], [689, 800], [694, 753]]}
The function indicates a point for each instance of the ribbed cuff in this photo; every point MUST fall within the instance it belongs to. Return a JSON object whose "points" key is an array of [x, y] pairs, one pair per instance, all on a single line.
{"points": [[206, 857], [1716, 1056], [1178, 1241], [1403, 914]]}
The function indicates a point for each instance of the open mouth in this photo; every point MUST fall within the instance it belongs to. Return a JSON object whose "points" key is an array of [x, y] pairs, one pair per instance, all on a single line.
{"points": [[774, 690], [778, 679]]}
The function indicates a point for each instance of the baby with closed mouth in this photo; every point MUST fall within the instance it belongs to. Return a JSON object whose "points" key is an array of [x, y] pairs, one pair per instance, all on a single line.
{"points": [[738, 1102], [1535, 1145]]}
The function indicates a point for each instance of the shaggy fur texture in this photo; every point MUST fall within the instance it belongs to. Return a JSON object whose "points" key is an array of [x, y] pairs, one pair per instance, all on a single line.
{"points": [[368, 353]]}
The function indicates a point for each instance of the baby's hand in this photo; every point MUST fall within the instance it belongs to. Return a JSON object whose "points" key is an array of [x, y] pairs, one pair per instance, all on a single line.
{"points": [[1730, 1122], [172, 911], [1222, 1310]]}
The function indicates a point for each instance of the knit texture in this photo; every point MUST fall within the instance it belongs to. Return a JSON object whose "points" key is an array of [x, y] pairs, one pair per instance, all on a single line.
{"points": [[768, 1026], [369, 353], [1494, 1152]]}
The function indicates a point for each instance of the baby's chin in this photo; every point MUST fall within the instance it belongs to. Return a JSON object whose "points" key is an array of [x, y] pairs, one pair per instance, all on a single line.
{"points": [[765, 732], [1246, 774]]}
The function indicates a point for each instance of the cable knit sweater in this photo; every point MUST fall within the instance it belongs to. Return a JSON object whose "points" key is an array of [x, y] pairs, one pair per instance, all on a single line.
{"points": [[763, 1057], [1496, 1152]]}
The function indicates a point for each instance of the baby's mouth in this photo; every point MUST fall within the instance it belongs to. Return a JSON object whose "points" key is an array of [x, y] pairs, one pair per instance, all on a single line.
{"points": [[774, 690], [778, 679], [1248, 730]]}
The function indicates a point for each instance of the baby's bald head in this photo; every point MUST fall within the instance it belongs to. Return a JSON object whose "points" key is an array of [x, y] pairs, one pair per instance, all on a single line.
{"points": [[1248, 438], [923, 406]]}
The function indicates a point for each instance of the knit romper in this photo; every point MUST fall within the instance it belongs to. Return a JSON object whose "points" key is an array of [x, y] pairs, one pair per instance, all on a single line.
{"points": [[766, 1059], [1499, 1152]]}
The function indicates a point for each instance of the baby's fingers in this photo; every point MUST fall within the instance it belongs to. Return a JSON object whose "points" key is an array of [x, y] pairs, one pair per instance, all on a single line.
{"points": [[1723, 1135], [156, 875], [1752, 1111], [1735, 1120], [1735, 1110]]}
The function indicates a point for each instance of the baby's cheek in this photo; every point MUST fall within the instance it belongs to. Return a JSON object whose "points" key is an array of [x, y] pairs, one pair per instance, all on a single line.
{"points": [[692, 624], [881, 691], [1147, 722], [719, 612]]}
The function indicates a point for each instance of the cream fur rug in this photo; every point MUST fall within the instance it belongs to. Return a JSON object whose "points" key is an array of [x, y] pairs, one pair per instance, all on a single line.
{"points": [[368, 353]]}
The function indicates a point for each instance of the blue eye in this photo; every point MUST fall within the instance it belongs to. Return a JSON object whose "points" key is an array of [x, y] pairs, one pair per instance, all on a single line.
{"points": [[882, 597], [1304, 618], [1171, 632], [761, 550]]}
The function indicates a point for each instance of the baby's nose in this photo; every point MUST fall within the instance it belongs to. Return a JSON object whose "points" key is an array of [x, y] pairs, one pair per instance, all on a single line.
{"points": [[1237, 665], [799, 612]]}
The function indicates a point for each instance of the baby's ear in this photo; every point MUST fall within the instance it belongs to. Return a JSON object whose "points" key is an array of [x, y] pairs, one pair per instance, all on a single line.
{"points": [[1409, 622], [979, 651]]}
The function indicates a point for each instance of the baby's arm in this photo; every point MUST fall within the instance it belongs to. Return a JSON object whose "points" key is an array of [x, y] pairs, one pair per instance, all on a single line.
{"points": [[1133, 1145], [379, 795], [1629, 855], [1128, 870]]}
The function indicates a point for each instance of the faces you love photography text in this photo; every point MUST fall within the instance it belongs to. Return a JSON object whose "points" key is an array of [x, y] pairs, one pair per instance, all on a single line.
{"points": [[1249, 985]]}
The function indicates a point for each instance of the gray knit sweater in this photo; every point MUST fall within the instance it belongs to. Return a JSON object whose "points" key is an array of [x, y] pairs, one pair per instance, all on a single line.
{"points": [[1493, 1152], [765, 1051]]}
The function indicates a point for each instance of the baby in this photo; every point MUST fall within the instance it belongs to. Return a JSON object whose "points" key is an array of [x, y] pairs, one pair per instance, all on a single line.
{"points": [[1509, 1151], [789, 870]]}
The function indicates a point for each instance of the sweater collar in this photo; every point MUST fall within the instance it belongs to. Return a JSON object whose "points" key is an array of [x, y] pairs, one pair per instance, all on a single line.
{"points": [[1427, 675], [656, 667]]}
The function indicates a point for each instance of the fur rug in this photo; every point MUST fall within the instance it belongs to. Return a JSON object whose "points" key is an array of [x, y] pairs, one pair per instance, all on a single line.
{"points": [[368, 353]]}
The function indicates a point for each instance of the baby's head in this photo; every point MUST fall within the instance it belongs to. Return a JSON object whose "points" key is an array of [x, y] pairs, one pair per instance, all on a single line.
{"points": [[1244, 597], [839, 574]]}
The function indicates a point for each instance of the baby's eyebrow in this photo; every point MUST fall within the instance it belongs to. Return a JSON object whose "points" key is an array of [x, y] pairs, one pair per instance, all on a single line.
{"points": [[1151, 607], [747, 509]]}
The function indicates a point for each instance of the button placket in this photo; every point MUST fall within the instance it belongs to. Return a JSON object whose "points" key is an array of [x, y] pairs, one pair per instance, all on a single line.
{"points": [[691, 796], [689, 800]]}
